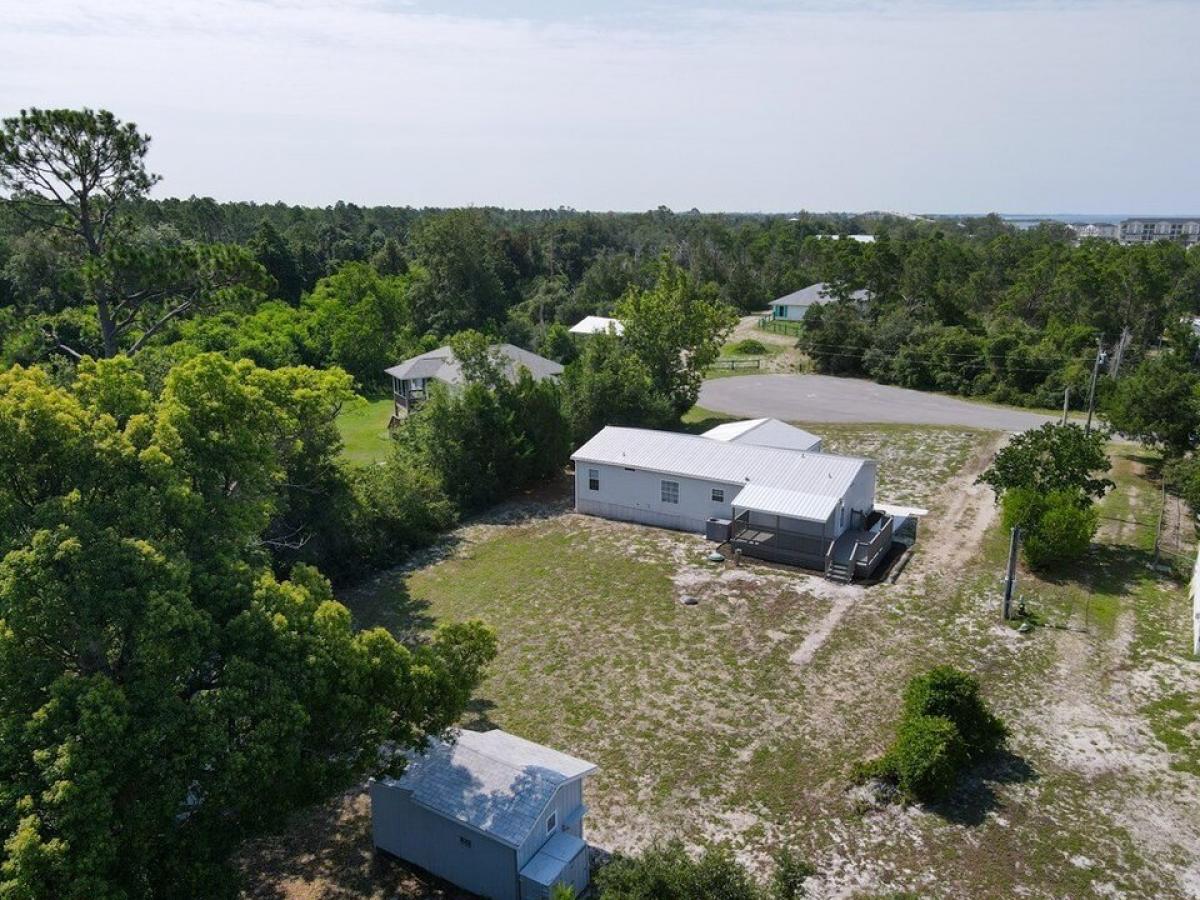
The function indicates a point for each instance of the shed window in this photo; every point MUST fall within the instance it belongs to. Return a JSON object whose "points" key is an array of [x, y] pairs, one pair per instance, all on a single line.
{"points": [[670, 492], [551, 823], [718, 495], [593, 479]]}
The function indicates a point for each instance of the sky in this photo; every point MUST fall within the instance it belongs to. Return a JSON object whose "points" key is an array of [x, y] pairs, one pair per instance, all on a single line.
{"points": [[910, 106]]}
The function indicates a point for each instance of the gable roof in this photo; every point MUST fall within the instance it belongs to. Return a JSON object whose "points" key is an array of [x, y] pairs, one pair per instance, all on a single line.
{"points": [[441, 364], [765, 433], [816, 294], [696, 456], [597, 324], [493, 781]]}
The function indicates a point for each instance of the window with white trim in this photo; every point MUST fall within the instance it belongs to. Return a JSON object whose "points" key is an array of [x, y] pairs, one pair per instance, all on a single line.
{"points": [[552, 822], [718, 495], [669, 492], [593, 479]]}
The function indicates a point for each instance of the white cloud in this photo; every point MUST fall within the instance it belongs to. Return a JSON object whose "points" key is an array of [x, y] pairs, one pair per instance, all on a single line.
{"points": [[916, 106]]}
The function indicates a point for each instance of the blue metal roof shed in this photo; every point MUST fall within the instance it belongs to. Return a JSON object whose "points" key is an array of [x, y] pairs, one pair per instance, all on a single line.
{"points": [[489, 811]]}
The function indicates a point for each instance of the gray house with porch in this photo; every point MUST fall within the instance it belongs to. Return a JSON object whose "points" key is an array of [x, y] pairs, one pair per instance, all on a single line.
{"points": [[488, 811], [412, 379]]}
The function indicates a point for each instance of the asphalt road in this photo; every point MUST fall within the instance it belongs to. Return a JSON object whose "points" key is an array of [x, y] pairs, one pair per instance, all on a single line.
{"points": [[822, 398]]}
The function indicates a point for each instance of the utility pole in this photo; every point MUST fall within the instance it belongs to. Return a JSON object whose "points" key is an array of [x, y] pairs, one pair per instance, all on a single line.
{"points": [[1092, 390], [1114, 368], [1010, 575], [1066, 403]]}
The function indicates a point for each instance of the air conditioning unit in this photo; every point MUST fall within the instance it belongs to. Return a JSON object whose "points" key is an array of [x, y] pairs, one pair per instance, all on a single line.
{"points": [[717, 529]]}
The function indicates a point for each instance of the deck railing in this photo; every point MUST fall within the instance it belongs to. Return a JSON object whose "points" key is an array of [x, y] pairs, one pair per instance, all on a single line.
{"points": [[868, 553]]}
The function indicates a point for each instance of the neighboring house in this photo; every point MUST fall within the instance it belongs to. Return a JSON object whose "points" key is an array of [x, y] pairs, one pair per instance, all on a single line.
{"points": [[412, 378], [765, 433], [794, 506], [1144, 231], [1103, 230], [597, 325], [794, 306], [493, 813]]}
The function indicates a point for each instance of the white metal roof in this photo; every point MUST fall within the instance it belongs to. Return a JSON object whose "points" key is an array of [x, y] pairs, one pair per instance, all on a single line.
{"points": [[444, 366], [765, 433], [597, 324], [785, 502], [901, 512], [547, 864], [492, 781], [695, 456]]}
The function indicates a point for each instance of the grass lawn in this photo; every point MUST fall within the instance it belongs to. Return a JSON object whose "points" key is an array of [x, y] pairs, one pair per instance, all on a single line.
{"points": [[364, 430], [738, 720]]}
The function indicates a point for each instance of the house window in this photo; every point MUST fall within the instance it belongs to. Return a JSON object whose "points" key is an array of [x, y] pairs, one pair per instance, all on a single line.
{"points": [[670, 492], [593, 479], [718, 495], [466, 842], [551, 823]]}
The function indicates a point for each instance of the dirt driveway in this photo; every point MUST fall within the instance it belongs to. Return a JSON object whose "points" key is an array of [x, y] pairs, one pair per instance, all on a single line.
{"points": [[823, 398]]}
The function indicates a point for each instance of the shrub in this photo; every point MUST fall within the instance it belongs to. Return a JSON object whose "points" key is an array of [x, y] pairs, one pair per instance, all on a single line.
{"points": [[945, 725], [946, 692], [749, 347], [667, 872], [927, 756], [791, 871], [1057, 526]]}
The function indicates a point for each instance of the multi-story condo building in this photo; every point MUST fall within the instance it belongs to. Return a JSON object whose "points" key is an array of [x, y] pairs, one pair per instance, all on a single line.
{"points": [[1149, 229]]}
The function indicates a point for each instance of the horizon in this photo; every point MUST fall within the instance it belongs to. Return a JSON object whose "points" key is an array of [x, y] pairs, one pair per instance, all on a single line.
{"points": [[759, 105]]}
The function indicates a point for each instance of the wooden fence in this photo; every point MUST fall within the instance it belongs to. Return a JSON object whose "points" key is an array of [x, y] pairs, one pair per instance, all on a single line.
{"points": [[779, 326], [755, 363]]}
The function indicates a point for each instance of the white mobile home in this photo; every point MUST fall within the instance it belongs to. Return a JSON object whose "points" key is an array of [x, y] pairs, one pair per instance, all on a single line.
{"points": [[811, 509], [490, 812]]}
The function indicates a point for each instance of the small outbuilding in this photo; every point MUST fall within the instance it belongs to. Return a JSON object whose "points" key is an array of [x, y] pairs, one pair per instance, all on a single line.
{"points": [[488, 811], [765, 433], [598, 325]]}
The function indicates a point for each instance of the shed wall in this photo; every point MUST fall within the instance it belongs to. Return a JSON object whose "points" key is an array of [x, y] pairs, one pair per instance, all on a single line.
{"points": [[420, 836], [566, 800]]}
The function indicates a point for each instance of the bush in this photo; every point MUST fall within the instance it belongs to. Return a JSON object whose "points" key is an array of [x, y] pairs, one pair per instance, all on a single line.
{"points": [[927, 756], [946, 692], [945, 725], [668, 872], [1055, 527], [749, 347]]}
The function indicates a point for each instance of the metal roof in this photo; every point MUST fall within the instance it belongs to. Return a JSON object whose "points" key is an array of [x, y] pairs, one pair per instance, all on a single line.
{"points": [[547, 864], [695, 456], [785, 502], [597, 324], [765, 433], [442, 365], [492, 781], [816, 293]]}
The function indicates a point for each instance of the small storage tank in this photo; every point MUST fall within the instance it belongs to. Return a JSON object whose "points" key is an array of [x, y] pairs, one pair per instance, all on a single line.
{"points": [[717, 529]]}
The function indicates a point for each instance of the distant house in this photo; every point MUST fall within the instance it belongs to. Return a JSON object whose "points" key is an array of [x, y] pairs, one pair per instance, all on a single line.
{"points": [[1147, 230], [597, 325], [789, 505], [794, 306], [493, 813], [765, 433], [412, 378]]}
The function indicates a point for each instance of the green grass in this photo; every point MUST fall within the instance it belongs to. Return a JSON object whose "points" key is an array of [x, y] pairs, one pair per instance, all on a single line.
{"points": [[702, 726], [364, 430]]}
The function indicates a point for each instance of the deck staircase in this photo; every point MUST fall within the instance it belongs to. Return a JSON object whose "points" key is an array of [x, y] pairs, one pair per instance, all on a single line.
{"points": [[842, 572]]}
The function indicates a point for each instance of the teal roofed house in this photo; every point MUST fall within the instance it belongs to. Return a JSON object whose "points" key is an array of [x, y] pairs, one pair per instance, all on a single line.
{"points": [[493, 813]]}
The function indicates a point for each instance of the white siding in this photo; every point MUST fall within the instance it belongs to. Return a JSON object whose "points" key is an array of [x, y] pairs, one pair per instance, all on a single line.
{"points": [[567, 799], [636, 496], [790, 312]]}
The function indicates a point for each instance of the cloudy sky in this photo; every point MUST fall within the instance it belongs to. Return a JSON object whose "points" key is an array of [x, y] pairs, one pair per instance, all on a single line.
{"points": [[913, 105]]}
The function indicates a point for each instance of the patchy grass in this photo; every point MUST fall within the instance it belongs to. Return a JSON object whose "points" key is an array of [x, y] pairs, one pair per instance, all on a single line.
{"points": [[703, 726], [364, 430]]}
